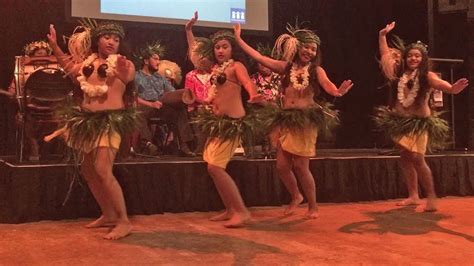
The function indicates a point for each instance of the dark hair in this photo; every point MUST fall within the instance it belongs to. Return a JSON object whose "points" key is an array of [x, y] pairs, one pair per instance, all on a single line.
{"points": [[237, 53], [423, 70]]}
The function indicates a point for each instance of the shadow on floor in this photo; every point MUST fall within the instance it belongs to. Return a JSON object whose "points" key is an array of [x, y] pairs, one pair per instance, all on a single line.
{"points": [[276, 225], [403, 221], [243, 250]]}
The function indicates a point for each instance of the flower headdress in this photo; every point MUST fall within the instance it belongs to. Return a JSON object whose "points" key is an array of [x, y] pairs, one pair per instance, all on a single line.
{"points": [[287, 44], [79, 43], [150, 49], [108, 27], [32, 46], [222, 35], [419, 45], [202, 48]]}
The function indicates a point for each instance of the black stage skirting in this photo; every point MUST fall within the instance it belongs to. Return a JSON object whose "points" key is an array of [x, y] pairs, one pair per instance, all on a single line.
{"points": [[34, 192]]}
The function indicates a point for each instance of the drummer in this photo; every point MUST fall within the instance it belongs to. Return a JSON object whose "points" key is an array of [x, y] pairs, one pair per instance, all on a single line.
{"points": [[151, 86], [32, 50]]}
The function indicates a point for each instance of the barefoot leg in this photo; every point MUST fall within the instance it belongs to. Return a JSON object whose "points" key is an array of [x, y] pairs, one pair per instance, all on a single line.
{"points": [[411, 178], [431, 204], [122, 229], [308, 184], [312, 214], [111, 191], [108, 215], [238, 220], [284, 164], [409, 202], [223, 216], [236, 211], [102, 221]]}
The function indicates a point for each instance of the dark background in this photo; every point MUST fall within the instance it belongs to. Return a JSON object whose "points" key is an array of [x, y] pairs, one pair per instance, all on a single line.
{"points": [[349, 34]]}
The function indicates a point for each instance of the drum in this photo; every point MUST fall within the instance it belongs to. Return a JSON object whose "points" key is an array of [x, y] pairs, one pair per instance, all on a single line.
{"points": [[40, 85], [176, 97], [40, 88]]}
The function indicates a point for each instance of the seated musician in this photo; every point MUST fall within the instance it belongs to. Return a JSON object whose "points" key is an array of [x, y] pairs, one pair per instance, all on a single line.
{"points": [[151, 86], [35, 52]]}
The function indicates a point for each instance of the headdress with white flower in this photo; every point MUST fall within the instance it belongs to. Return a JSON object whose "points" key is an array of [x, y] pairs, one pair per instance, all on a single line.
{"points": [[33, 46], [286, 46]]}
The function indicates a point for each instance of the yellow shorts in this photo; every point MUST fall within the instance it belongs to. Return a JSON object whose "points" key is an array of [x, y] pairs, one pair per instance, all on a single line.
{"points": [[218, 152], [414, 143], [302, 143]]}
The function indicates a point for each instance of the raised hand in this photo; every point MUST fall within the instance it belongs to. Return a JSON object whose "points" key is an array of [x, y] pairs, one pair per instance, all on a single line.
{"points": [[388, 28], [52, 39], [459, 85], [123, 67], [237, 31], [191, 22], [345, 86]]}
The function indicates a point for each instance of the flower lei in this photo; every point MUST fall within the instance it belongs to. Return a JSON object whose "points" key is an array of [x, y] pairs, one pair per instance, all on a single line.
{"points": [[211, 94], [294, 78], [97, 90], [408, 100]]}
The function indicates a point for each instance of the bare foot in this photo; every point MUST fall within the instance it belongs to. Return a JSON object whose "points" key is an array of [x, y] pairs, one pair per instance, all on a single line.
{"points": [[122, 229], [238, 220], [409, 201], [431, 205], [293, 205], [312, 214], [224, 216], [102, 221]]}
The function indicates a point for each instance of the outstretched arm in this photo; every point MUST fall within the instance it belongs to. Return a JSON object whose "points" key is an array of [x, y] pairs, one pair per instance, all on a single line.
{"points": [[244, 79], [329, 87], [444, 86], [277, 66], [64, 60]]}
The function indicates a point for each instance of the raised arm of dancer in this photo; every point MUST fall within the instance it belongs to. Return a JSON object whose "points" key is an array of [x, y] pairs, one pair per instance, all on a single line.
{"points": [[63, 59], [383, 46], [277, 66], [442, 85], [387, 58], [329, 86], [189, 30]]}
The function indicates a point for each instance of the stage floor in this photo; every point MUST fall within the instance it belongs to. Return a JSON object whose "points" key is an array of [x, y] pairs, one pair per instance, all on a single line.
{"points": [[52, 190], [368, 233]]}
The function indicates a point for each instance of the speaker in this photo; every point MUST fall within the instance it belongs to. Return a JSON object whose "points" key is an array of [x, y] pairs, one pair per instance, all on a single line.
{"points": [[452, 6]]}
